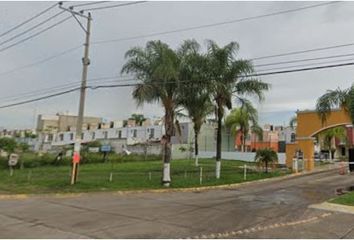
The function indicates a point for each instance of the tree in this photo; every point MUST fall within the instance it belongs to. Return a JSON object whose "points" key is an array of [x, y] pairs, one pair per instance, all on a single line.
{"points": [[8, 144], [266, 156], [157, 68], [336, 99], [194, 97], [242, 120], [139, 118], [227, 79], [329, 135], [293, 122]]}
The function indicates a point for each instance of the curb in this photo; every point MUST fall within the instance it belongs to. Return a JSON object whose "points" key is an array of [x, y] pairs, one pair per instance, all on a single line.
{"points": [[333, 207], [169, 190]]}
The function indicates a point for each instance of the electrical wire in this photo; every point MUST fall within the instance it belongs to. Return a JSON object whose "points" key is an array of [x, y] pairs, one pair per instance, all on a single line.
{"points": [[41, 61], [113, 6], [213, 24], [90, 3], [64, 87], [36, 34], [304, 60], [31, 28], [303, 51], [28, 20], [93, 87], [308, 64]]}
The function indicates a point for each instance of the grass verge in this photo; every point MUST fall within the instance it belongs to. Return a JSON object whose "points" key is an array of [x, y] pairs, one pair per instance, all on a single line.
{"points": [[346, 199], [125, 176]]}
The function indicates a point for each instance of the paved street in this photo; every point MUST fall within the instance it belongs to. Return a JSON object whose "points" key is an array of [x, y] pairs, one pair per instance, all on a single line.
{"points": [[273, 209]]}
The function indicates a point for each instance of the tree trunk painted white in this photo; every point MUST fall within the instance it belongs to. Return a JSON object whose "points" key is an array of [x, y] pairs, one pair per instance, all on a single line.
{"points": [[196, 161], [166, 179], [217, 170]]}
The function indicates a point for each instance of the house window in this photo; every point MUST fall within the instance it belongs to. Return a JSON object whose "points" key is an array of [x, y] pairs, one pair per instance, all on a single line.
{"points": [[93, 135], [111, 125], [152, 133], [119, 134], [88, 126], [68, 128], [82, 136], [293, 137], [50, 137], [99, 125], [71, 136], [134, 132], [61, 137], [105, 133]]}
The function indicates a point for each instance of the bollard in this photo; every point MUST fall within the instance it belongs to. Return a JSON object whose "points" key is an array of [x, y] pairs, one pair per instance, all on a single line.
{"points": [[245, 172], [150, 176], [201, 176], [111, 177], [341, 169]]}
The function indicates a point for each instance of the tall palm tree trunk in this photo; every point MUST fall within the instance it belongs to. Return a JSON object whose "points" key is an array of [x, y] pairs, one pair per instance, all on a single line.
{"points": [[196, 146], [166, 178], [218, 142], [243, 140]]}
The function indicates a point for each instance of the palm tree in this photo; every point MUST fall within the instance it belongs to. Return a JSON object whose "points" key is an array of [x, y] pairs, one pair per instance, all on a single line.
{"points": [[139, 118], [266, 156], [243, 120], [194, 97], [157, 68], [293, 122], [336, 99], [329, 135], [226, 75]]}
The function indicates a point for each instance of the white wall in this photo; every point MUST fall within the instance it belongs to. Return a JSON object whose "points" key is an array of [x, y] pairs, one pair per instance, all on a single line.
{"points": [[244, 156]]}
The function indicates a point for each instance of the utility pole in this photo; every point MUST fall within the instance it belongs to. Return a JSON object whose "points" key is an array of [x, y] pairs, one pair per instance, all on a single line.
{"points": [[85, 64]]}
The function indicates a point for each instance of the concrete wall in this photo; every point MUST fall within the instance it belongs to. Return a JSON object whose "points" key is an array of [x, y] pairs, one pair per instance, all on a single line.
{"points": [[244, 156]]}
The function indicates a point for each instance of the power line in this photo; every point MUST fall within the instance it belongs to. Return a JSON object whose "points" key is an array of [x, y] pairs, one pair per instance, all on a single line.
{"points": [[41, 98], [28, 20], [90, 3], [214, 24], [304, 60], [113, 6], [64, 86], [303, 51], [31, 28], [36, 34], [135, 84], [308, 64], [299, 70], [41, 61]]}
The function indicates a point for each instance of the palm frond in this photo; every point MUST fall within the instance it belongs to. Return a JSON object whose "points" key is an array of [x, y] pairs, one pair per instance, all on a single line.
{"points": [[330, 100]]}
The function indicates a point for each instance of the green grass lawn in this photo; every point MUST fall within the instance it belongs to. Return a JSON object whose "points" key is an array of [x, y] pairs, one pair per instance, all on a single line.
{"points": [[346, 199], [126, 176]]}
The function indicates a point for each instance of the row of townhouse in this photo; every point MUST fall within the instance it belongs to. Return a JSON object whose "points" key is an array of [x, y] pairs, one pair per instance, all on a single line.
{"points": [[130, 135]]}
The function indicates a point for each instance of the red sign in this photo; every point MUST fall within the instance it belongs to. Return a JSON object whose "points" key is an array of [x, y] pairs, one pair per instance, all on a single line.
{"points": [[76, 157]]}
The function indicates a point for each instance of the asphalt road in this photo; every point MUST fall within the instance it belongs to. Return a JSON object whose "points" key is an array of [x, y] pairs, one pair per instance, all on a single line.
{"points": [[273, 209]]}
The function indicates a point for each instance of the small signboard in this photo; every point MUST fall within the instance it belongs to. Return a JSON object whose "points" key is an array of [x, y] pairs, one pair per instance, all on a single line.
{"points": [[94, 149], [13, 159], [106, 148]]}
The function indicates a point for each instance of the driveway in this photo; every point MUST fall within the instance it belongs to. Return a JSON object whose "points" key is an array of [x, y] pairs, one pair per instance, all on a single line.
{"points": [[272, 209]]}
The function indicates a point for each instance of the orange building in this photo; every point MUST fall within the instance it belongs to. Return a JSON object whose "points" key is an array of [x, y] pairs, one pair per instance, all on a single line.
{"points": [[253, 143]]}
